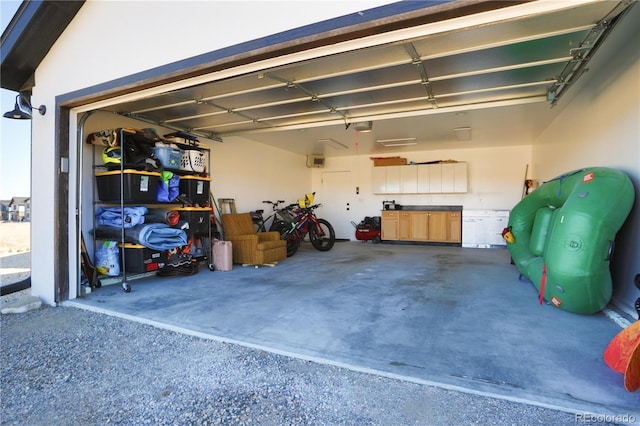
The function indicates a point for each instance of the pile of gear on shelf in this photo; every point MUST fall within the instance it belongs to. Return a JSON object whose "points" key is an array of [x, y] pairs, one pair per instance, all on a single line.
{"points": [[154, 203]]}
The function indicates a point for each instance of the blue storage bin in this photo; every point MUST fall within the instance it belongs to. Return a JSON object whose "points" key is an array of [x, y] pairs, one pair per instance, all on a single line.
{"points": [[169, 157]]}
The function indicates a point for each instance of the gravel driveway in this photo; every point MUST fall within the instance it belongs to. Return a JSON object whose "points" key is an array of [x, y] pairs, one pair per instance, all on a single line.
{"points": [[69, 366]]}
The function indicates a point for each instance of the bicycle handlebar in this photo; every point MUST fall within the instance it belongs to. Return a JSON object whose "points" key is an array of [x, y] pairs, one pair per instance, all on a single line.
{"points": [[274, 204], [296, 206]]}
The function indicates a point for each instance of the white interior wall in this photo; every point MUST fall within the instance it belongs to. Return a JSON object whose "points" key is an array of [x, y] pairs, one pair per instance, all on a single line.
{"points": [[599, 126], [251, 172], [495, 181]]}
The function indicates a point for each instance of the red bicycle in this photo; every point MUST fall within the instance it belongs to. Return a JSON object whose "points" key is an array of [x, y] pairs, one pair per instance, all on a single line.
{"points": [[321, 233]]}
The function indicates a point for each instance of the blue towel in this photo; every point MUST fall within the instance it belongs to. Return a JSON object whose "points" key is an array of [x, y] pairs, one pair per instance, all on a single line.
{"points": [[113, 216]]}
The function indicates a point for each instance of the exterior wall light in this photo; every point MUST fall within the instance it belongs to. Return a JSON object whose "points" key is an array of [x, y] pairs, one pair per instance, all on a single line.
{"points": [[22, 109]]}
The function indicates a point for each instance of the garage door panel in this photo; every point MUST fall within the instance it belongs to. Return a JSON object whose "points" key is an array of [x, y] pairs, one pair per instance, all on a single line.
{"points": [[510, 32], [531, 52], [497, 79]]}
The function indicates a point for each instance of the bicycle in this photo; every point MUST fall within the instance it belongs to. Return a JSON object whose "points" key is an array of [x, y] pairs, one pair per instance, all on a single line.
{"points": [[278, 217], [320, 231]]}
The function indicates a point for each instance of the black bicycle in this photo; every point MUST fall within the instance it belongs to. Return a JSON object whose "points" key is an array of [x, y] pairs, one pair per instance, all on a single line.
{"points": [[280, 217]]}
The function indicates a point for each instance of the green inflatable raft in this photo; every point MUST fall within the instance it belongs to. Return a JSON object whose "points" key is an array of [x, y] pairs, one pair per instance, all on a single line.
{"points": [[562, 236]]}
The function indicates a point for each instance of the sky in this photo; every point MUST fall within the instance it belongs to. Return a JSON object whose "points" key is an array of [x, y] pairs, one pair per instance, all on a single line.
{"points": [[15, 135]]}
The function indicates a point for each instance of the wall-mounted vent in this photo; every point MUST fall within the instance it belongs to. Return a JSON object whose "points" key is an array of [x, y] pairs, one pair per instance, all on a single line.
{"points": [[315, 161]]}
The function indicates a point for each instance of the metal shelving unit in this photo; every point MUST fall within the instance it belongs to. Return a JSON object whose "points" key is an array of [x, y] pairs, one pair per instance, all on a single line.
{"points": [[123, 137]]}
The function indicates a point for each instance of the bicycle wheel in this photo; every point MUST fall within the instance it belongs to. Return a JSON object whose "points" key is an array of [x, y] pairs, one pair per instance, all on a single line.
{"points": [[322, 236], [289, 236]]}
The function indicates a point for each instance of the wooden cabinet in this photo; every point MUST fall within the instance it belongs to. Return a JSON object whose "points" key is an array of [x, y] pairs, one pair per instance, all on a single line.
{"points": [[438, 226], [442, 226], [418, 226], [389, 225], [454, 226], [404, 226], [413, 226]]}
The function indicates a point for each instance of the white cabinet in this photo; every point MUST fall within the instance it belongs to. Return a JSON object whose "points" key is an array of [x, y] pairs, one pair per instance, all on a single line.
{"points": [[393, 179], [386, 180], [452, 178], [423, 179], [378, 180], [483, 228], [498, 220], [435, 178], [420, 179], [408, 179], [459, 177]]}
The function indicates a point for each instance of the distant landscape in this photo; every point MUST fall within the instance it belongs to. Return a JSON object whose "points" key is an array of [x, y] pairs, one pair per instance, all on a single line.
{"points": [[15, 252]]}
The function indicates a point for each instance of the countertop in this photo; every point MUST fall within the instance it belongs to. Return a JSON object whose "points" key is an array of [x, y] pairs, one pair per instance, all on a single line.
{"points": [[430, 208]]}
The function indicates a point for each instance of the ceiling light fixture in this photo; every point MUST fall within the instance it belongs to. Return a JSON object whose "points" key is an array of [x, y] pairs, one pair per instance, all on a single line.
{"points": [[364, 126], [397, 142], [22, 109], [463, 133], [333, 143]]}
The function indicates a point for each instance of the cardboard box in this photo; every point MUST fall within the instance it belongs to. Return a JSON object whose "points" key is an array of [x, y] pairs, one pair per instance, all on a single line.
{"points": [[389, 161]]}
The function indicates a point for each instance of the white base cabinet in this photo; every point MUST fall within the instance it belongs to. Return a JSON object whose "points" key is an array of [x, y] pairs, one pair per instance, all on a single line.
{"points": [[483, 228]]}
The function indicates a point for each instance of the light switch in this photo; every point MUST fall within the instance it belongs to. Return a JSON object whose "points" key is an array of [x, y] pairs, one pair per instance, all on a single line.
{"points": [[64, 165]]}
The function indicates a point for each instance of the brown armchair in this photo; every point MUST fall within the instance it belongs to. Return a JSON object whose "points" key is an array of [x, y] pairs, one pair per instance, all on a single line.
{"points": [[251, 247]]}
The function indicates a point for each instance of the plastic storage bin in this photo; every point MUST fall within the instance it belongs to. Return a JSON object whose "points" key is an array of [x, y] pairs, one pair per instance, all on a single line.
{"points": [[169, 157], [197, 217], [139, 259], [195, 189], [138, 186]]}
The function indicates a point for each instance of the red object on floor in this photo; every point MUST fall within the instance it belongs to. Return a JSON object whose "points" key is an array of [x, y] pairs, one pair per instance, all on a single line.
{"points": [[623, 355]]}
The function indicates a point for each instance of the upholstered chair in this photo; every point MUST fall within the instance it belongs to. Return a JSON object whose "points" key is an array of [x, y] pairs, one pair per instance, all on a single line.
{"points": [[251, 247]]}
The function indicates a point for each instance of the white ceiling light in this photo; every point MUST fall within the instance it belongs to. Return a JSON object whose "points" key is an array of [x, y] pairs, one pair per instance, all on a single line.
{"points": [[332, 143], [364, 126], [397, 142], [463, 133]]}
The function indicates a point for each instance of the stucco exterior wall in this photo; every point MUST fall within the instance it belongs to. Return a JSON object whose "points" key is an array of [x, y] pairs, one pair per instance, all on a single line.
{"points": [[108, 40]]}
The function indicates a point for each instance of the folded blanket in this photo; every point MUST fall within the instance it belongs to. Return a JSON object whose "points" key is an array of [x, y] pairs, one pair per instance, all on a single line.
{"points": [[170, 217], [160, 236], [157, 236], [113, 216]]}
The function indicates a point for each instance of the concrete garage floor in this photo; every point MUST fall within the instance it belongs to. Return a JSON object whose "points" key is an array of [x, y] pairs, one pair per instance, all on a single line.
{"points": [[452, 317]]}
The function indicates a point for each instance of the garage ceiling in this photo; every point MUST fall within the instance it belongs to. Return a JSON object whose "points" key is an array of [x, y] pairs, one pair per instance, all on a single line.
{"points": [[493, 81]]}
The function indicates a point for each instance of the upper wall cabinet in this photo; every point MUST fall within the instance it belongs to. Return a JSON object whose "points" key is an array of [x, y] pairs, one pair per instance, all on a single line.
{"points": [[438, 178]]}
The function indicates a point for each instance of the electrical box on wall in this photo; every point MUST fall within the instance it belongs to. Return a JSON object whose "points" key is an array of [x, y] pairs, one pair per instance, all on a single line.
{"points": [[315, 161]]}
